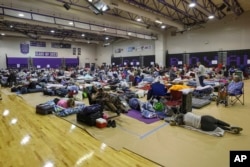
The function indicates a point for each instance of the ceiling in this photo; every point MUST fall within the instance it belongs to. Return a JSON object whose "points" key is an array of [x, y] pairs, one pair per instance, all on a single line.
{"points": [[73, 20]]}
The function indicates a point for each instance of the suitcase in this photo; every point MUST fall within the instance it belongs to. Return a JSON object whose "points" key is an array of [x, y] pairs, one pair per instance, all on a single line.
{"points": [[49, 92], [89, 114], [61, 92], [186, 105], [44, 109]]}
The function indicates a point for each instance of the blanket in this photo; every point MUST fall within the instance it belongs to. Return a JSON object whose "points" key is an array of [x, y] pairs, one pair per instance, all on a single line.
{"points": [[218, 132], [63, 112]]}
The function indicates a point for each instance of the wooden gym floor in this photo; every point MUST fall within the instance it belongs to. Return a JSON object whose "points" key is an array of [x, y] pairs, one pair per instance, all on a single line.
{"points": [[28, 139]]}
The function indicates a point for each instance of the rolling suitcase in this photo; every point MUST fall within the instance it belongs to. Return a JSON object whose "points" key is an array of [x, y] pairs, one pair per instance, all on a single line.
{"points": [[44, 109], [89, 114], [186, 105]]}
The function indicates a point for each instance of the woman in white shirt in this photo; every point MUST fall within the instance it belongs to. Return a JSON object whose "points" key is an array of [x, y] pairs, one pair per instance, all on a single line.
{"points": [[203, 122]]}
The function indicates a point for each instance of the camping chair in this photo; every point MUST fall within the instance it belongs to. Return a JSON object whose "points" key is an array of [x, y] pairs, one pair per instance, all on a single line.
{"points": [[237, 96], [175, 100], [239, 73]]}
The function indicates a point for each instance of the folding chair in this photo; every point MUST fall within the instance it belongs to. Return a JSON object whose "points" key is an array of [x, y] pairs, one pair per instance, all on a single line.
{"points": [[237, 96], [240, 74], [175, 101]]}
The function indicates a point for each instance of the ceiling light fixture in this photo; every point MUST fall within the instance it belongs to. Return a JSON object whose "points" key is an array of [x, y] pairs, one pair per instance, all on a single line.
{"points": [[105, 8], [106, 44], [98, 7], [158, 21], [163, 26], [138, 19], [21, 15], [191, 5], [211, 16]]}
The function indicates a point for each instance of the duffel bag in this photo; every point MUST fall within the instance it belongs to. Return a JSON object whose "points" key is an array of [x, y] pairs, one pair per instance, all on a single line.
{"points": [[89, 114], [61, 92], [44, 109], [134, 103]]}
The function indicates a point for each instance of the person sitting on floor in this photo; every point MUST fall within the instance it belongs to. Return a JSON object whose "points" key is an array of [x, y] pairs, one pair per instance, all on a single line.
{"points": [[96, 94], [157, 89], [110, 101], [206, 123]]}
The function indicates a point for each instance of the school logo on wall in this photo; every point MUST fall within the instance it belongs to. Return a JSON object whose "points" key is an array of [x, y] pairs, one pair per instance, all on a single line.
{"points": [[24, 48]]}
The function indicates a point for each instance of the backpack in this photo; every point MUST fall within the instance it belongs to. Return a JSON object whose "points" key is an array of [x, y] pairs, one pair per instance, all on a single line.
{"points": [[134, 103], [24, 90], [158, 106]]}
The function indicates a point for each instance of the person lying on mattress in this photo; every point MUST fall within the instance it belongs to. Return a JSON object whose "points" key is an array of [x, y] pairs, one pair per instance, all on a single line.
{"points": [[65, 103], [66, 106], [205, 123]]}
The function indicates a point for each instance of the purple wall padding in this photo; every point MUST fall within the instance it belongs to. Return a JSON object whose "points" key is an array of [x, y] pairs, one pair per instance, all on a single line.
{"points": [[13, 61], [71, 61], [17, 60], [43, 62]]}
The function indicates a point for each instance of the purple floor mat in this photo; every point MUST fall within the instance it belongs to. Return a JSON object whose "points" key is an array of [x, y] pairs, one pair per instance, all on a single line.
{"points": [[137, 115]]}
